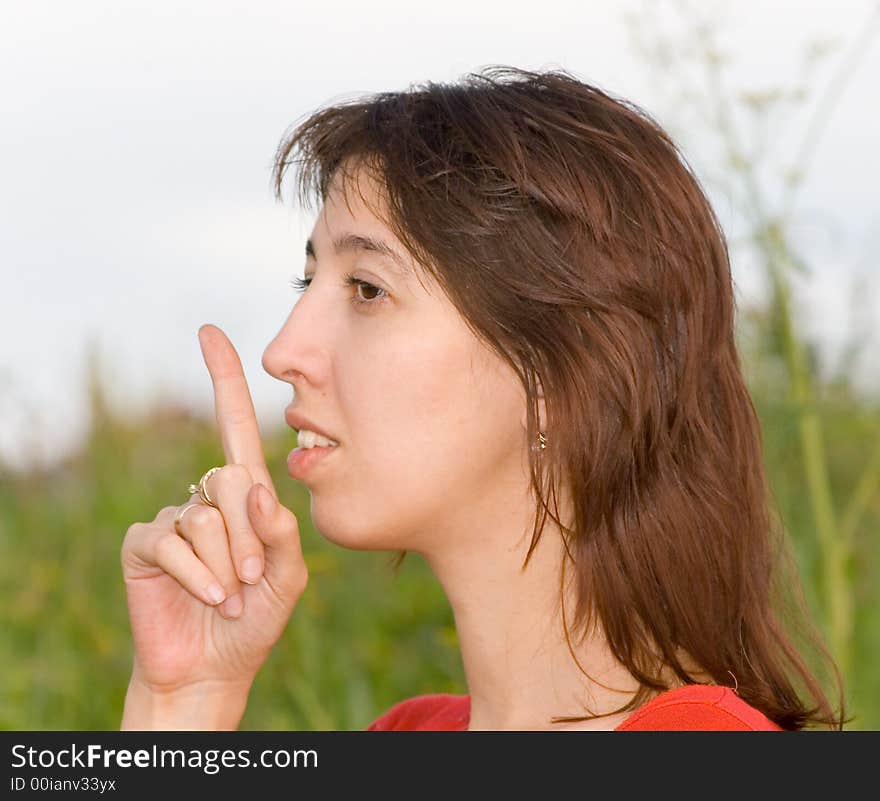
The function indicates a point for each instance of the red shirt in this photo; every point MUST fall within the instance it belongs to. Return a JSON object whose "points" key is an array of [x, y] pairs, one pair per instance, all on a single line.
{"points": [[694, 707]]}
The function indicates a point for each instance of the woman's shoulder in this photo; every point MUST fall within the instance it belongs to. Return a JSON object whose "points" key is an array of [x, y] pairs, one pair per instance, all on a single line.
{"points": [[430, 712], [698, 707]]}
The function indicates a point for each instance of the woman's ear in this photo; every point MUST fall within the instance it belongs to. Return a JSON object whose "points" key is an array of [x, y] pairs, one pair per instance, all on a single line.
{"points": [[542, 412]]}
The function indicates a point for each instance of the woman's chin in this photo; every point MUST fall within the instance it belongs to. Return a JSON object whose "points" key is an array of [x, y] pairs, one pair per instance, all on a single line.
{"points": [[348, 534]]}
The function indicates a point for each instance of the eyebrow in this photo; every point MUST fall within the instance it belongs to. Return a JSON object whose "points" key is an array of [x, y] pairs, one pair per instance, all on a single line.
{"points": [[361, 243]]}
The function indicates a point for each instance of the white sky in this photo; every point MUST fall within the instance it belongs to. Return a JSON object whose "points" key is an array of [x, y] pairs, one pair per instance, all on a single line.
{"points": [[137, 144]]}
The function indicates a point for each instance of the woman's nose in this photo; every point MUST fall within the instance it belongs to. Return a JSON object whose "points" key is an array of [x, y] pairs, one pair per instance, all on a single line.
{"points": [[298, 346], [280, 354], [272, 359]]}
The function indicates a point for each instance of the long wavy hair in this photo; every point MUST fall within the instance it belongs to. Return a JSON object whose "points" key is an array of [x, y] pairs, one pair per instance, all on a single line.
{"points": [[575, 240]]}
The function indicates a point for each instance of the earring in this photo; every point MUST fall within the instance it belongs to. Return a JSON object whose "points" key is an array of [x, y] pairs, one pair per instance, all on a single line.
{"points": [[542, 440]]}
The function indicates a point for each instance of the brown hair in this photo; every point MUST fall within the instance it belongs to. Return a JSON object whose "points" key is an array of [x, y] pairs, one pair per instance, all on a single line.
{"points": [[574, 239]]}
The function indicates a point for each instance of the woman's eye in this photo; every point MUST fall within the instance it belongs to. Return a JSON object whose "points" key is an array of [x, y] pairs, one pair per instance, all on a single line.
{"points": [[300, 284], [376, 295]]}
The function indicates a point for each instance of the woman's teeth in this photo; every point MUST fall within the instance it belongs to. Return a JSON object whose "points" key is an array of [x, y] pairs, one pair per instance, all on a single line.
{"points": [[309, 439]]}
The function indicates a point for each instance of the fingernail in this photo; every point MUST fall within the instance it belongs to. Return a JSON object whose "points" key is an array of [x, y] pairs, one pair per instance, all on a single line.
{"points": [[214, 593], [232, 606], [265, 501], [251, 569]]}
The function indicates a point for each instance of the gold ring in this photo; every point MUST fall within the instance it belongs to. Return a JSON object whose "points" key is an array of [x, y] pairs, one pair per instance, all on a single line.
{"points": [[202, 487], [179, 516]]}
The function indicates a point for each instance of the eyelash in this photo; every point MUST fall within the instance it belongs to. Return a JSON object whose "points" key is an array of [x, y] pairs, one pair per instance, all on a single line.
{"points": [[302, 284]]}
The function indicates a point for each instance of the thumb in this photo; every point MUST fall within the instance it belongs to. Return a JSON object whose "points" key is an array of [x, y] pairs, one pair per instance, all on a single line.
{"points": [[278, 530]]}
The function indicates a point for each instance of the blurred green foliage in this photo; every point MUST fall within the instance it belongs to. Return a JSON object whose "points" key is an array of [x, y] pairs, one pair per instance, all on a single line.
{"points": [[360, 639]]}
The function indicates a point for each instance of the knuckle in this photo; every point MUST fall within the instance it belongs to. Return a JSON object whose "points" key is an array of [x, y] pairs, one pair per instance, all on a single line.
{"points": [[165, 546], [165, 513], [240, 472], [204, 541], [238, 417], [232, 478], [128, 546], [203, 518]]}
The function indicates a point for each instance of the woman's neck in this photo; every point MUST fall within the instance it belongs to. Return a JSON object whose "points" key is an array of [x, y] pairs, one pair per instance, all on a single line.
{"points": [[519, 670]]}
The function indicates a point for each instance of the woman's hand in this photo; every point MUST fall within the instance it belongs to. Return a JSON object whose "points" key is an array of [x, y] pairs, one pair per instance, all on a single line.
{"points": [[185, 639]]}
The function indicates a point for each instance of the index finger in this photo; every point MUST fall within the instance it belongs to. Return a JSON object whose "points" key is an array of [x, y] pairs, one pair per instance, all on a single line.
{"points": [[234, 408]]}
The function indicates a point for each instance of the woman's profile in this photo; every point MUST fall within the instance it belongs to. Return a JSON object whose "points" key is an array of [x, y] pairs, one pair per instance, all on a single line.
{"points": [[513, 355]]}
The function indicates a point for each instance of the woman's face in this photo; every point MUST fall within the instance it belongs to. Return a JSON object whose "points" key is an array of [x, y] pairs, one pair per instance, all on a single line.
{"points": [[430, 423]]}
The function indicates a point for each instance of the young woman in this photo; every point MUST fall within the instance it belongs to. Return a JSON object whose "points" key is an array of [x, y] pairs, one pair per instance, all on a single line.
{"points": [[516, 337]]}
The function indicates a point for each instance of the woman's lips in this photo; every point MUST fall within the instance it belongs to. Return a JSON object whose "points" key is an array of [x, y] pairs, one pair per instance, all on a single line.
{"points": [[300, 461]]}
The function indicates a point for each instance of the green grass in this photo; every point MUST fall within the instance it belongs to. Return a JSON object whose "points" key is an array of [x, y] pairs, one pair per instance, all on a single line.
{"points": [[358, 641]]}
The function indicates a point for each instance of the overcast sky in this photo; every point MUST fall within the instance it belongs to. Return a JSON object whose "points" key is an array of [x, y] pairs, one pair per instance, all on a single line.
{"points": [[138, 139]]}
